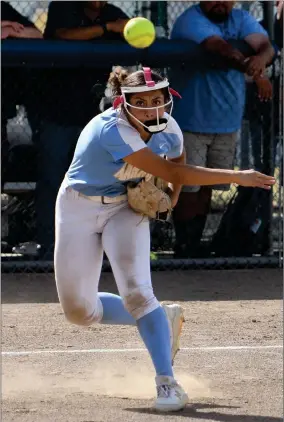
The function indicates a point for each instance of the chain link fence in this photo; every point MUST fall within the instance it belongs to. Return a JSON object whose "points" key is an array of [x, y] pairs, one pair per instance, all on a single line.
{"points": [[166, 12], [32, 93]]}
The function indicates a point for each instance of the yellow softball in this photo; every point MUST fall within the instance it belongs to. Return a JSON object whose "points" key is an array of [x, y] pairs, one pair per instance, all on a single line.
{"points": [[139, 32]]}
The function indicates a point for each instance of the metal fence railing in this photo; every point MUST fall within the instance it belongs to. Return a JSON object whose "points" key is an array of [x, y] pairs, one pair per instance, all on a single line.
{"points": [[29, 94]]}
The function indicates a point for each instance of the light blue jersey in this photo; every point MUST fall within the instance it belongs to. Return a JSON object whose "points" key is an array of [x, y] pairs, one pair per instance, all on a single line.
{"points": [[98, 168], [212, 100]]}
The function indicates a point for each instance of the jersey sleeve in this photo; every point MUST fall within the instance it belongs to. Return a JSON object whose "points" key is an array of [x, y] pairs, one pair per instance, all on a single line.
{"points": [[121, 141], [176, 137]]}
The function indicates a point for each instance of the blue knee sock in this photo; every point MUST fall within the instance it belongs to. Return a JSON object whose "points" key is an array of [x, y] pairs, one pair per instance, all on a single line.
{"points": [[114, 312], [155, 332], [153, 329]]}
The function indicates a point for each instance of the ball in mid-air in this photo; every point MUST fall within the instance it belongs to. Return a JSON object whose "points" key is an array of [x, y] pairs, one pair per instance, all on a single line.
{"points": [[139, 32]]}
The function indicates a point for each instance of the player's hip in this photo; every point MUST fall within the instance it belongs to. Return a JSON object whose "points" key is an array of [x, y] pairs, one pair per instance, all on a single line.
{"points": [[90, 213], [72, 205]]}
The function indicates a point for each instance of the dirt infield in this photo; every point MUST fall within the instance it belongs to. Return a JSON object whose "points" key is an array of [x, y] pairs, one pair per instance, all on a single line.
{"points": [[230, 362]]}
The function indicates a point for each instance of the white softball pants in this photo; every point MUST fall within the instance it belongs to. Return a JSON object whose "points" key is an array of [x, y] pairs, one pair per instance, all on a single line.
{"points": [[84, 229]]}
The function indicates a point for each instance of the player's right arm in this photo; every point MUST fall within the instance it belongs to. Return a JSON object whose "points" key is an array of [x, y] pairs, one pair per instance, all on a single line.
{"points": [[123, 142], [182, 174]]}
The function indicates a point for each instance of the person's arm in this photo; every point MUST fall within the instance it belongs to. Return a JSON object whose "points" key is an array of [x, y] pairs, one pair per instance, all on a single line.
{"points": [[264, 89], [254, 34], [80, 34], [175, 188], [255, 65], [15, 25], [194, 26], [180, 174], [199, 29], [264, 53], [24, 32], [229, 55], [262, 46], [8, 32], [90, 32], [29, 33]]}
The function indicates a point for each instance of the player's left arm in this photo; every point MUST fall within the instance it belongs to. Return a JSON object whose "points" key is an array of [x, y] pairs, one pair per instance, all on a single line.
{"points": [[175, 189]]}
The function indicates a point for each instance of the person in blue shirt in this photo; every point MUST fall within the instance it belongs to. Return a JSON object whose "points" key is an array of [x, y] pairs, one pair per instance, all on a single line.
{"points": [[211, 110], [135, 139]]}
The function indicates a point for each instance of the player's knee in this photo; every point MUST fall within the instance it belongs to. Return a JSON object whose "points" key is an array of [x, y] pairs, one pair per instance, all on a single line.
{"points": [[139, 302], [80, 315], [77, 316]]}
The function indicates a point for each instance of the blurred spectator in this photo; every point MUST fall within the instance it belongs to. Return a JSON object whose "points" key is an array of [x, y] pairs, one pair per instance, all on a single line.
{"points": [[87, 20], [258, 94], [14, 25], [211, 110], [14, 92], [71, 97], [257, 117]]}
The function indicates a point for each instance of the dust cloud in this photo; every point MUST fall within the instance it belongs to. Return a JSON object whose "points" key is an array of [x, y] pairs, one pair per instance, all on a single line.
{"points": [[106, 379]]}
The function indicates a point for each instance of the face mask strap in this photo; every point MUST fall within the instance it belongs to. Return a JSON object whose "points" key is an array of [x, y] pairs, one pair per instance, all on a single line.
{"points": [[158, 118], [135, 118], [127, 105], [146, 127], [122, 100]]}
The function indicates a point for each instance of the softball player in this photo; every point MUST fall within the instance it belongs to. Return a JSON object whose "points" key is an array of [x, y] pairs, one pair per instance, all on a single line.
{"points": [[125, 143]]}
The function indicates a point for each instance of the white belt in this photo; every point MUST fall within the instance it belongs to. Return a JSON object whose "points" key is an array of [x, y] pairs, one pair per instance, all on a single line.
{"points": [[105, 199]]}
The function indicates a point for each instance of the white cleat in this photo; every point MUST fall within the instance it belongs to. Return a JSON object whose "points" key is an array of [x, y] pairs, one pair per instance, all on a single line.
{"points": [[170, 395], [176, 319]]}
